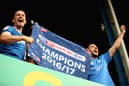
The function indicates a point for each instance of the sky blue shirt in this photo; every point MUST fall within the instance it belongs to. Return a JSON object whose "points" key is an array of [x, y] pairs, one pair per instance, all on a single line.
{"points": [[16, 49], [99, 70]]}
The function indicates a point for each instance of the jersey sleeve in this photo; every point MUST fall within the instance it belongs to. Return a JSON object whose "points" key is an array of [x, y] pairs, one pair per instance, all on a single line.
{"points": [[106, 57], [7, 29]]}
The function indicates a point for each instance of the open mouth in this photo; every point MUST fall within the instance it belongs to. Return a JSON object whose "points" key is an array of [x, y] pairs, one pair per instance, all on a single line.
{"points": [[95, 51], [20, 20]]}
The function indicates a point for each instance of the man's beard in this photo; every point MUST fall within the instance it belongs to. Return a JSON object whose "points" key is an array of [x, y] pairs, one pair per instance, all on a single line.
{"points": [[95, 56]]}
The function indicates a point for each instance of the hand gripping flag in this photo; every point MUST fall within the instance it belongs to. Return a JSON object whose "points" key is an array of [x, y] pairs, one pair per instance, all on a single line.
{"points": [[53, 51]]}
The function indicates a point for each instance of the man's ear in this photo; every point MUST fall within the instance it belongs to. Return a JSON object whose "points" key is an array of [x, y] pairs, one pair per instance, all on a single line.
{"points": [[13, 20], [25, 21], [88, 51]]}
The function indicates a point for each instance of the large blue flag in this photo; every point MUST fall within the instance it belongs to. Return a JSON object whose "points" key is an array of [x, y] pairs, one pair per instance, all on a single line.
{"points": [[53, 51]]}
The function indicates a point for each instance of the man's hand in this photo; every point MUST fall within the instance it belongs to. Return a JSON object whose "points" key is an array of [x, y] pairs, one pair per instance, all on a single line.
{"points": [[123, 29], [28, 39]]}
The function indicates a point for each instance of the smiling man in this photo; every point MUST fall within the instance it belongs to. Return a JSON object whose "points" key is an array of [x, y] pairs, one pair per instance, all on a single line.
{"points": [[12, 41]]}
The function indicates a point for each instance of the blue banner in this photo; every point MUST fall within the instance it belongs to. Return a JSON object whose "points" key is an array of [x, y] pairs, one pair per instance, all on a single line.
{"points": [[53, 51]]}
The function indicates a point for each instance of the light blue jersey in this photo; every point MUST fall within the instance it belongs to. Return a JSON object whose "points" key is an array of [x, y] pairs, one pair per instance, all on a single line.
{"points": [[99, 70], [16, 49]]}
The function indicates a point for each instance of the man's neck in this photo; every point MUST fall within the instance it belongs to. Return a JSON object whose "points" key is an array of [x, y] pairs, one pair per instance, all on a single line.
{"points": [[19, 29]]}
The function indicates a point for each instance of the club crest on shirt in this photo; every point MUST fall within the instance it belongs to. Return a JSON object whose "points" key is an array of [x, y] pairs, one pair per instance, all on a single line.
{"points": [[98, 61]]}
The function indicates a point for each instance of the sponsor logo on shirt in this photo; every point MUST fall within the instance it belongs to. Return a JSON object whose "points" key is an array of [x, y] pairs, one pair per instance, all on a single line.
{"points": [[21, 42]]}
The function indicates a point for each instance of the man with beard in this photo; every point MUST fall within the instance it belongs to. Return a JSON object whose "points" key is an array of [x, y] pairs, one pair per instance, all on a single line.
{"points": [[99, 64]]}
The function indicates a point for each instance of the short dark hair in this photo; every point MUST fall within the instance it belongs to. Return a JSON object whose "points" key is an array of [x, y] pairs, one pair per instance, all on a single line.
{"points": [[93, 42], [89, 43]]}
